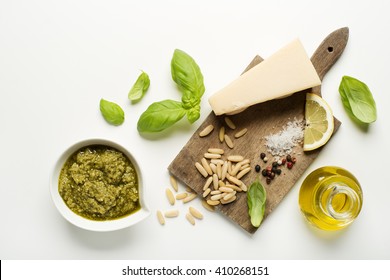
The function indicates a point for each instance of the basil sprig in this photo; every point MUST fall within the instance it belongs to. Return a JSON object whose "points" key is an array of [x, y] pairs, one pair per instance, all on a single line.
{"points": [[139, 88], [189, 79], [112, 112], [357, 99], [256, 198]]}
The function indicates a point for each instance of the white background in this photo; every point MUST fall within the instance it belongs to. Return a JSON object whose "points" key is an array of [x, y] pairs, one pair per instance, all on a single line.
{"points": [[58, 58]]}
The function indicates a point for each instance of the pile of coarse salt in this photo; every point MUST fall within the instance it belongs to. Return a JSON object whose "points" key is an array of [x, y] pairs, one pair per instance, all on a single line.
{"points": [[283, 142]]}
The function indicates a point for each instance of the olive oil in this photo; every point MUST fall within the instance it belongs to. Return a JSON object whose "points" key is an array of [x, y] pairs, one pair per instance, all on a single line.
{"points": [[330, 198]]}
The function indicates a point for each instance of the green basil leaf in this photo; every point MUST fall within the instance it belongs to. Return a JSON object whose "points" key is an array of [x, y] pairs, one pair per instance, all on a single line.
{"points": [[112, 112], [357, 99], [160, 115], [139, 88], [193, 114], [187, 75], [256, 198]]}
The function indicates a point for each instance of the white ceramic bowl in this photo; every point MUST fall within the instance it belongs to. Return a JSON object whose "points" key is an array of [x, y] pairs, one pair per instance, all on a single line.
{"points": [[84, 223]]}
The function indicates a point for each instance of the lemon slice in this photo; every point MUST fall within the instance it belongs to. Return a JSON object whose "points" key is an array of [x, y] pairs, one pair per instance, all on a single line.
{"points": [[319, 122]]}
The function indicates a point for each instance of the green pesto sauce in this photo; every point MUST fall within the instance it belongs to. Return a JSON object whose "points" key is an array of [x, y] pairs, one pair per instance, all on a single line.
{"points": [[99, 183]]}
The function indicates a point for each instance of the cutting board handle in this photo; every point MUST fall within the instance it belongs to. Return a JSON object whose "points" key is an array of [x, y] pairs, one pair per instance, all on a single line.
{"points": [[329, 52]]}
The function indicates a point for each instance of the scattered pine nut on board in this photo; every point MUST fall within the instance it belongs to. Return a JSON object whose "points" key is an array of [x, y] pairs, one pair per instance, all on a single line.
{"points": [[260, 120]]}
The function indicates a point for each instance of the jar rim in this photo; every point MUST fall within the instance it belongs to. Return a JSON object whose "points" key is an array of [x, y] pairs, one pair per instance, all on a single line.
{"points": [[352, 197]]}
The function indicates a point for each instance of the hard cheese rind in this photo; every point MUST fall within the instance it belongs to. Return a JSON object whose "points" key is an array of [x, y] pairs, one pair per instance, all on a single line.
{"points": [[287, 71]]}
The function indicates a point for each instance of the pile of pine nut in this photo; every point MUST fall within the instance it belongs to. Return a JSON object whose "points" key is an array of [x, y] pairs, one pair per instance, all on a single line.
{"points": [[223, 175], [185, 197]]}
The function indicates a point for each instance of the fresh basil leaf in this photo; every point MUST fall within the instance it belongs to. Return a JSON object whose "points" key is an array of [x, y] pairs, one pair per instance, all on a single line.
{"points": [[193, 114], [256, 198], [357, 99], [187, 75], [160, 115], [112, 112], [139, 88]]}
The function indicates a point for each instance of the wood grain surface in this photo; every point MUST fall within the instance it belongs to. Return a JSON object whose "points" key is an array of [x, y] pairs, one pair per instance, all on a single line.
{"points": [[260, 120]]}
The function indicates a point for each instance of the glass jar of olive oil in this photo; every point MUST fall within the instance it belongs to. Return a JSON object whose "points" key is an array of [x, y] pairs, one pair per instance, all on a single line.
{"points": [[330, 198]]}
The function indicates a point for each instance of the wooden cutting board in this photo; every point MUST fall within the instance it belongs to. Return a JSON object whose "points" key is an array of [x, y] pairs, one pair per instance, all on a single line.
{"points": [[260, 120]]}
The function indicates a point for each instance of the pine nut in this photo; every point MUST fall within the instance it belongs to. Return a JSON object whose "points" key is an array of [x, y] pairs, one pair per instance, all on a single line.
{"points": [[235, 158], [245, 161], [244, 166], [189, 197], [234, 180], [171, 213], [219, 170], [201, 169], [180, 196], [229, 167], [206, 192], [212, 156], [216, 161], [208, 183], [190, 219], [207, 206], [241, 133], [213, 167], [215, 181], [215, 192], [229, 142], [224, 170], [196, 213], [229, 201], [216, 197], [243, 172], [243, 187], [221, 184], [234, 187], [213, 202], [229, 196], [170, 196], [221, 134], [226, 189], [230, 123], [173, 183], [206, 131], [160, 217], [235, 170], [206, 166], [216, 151]]}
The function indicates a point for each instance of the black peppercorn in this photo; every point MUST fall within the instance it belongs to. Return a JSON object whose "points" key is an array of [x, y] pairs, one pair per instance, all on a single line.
{"points": [[262, 155], [257, 168], [289, 158], [268, 180], [264, 172], [278, 171]]}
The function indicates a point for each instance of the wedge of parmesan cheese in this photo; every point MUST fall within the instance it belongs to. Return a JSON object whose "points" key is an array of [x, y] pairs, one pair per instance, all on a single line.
{"points": [[287, 71]]}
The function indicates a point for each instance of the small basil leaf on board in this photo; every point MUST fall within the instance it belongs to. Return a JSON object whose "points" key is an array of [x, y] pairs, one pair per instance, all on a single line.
{"points": [[139, 88], [256, 198], [112, 112], [188, 77], [160, 115], [357, 99]]}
